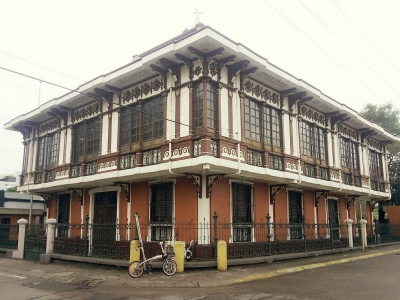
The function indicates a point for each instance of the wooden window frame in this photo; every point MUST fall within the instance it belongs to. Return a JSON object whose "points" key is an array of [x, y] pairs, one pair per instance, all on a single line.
{"points": [[349, 158], [205, 106], [83, 130]]}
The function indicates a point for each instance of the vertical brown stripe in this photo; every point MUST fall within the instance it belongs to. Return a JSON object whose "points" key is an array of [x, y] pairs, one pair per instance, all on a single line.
{"points": [[65, 145], [110, 132], [101, 134], [165, 97], [218, 113], [177, 112], [190, 86], [291, 134], [230, 113]]}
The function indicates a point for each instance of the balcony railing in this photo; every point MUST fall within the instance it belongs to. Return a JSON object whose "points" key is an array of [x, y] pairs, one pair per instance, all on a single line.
{"points": [[323, 173], [196, 148], [374, 185], [50, 176], [382, 187], [76, 171], [347, 179], [310, 170], [255, 158], [128, 161], [214, 148], [90, 168], [38, 178], [357, 181], [152, 157], [275, 162]]}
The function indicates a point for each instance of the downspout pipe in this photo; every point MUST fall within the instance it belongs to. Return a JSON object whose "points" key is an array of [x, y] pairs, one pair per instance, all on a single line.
{"points": [[237, 133]]}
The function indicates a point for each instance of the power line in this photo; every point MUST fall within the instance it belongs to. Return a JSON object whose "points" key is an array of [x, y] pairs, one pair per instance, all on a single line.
{"points": [[324, 50], [90, 96], [349, 48], [33, 63], [377, 48]]}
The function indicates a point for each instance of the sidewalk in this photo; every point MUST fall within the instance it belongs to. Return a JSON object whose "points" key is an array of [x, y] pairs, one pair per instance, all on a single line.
{"points": [[96, 275]]}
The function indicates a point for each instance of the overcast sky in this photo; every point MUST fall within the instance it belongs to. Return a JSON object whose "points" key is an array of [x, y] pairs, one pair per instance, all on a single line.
{"points": [[85, 39]]}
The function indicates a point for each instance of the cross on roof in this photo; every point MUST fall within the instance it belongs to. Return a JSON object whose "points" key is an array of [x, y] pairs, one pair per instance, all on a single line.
{"points": [[197, 19]]}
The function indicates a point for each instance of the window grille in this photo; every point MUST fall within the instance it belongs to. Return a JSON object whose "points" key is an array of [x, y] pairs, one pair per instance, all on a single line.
{"points": [[255, 158], [130, 124], [275, 162], [197, 148], [93, 136], [347, 179], [76, 171], [310, 170], [242, 212], [214, 148], [198, 105], [349, 154], [90, 168], [52, 150], [161, 211], [357, 181], [375, 165], [128, 161], [323, 173], [152, 157]]}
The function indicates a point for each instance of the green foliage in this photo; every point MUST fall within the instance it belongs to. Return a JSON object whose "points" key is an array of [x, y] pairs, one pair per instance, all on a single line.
{"points": [[387, 116], [13, 189]]}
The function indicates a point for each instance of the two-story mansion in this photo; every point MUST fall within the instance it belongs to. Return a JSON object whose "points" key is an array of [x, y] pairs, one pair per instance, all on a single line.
{"points": [[199, 124]]}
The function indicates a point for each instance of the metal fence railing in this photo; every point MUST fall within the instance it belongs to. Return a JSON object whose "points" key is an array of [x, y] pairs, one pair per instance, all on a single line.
{"points": [[8, 236]]}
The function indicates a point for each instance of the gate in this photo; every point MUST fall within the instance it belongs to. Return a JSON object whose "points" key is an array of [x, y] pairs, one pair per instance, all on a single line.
{"points": [[35, 241]]}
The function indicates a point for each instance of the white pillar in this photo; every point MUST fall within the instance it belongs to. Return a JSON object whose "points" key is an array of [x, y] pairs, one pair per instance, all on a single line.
{"points": [[50, 235], [203, 214], [364, 231], [349, 223], [21, 239]]}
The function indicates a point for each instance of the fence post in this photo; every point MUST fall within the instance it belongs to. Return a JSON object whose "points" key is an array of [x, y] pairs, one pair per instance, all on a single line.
{"points": [[21, 241], [215, 217], [303, 224], [349, 223], [331, 232], [50, 235], [269, 234], [363, 232], [86, 235]]}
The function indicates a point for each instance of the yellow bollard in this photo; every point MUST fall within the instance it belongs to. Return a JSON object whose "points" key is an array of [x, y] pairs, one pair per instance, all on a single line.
{"points": [[179, 249], [222, 256], [134, 251]]}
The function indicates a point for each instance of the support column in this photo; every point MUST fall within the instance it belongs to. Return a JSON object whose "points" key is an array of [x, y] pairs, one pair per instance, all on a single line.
{"points": [[349, 223], [203, 214], [364, 231], [50, 235], [21, 241]]}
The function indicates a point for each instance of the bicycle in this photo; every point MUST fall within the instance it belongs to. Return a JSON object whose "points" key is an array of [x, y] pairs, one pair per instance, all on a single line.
{"points": [[136, 268], [188, 253]]}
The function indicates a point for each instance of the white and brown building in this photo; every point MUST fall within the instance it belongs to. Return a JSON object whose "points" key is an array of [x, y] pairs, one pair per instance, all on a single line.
{"points": [[200, 124]]}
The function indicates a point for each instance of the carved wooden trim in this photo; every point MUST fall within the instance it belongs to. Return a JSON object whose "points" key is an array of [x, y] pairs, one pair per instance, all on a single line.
{"points": [[275, 190], [318, 195], [197, 181], [125, 187], [350, 199], [211, 180]]}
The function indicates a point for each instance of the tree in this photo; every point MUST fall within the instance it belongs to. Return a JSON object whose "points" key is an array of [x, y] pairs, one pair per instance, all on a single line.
{"points": [[387, 116], [13, 189]]}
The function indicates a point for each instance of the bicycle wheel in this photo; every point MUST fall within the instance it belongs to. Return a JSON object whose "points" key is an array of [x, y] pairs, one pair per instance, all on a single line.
{"points": [[169, 267], [135, 270]]}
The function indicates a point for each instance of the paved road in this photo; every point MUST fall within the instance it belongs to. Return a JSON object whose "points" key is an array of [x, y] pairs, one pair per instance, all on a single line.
{"points": [[374, 278]]}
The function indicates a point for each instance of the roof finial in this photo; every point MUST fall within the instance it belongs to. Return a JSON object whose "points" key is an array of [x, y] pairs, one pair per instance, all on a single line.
{"points": [[197, 19]]}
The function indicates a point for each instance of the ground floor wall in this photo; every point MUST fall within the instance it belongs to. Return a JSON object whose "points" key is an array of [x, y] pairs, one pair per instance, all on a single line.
{"points": [[187, 218]]}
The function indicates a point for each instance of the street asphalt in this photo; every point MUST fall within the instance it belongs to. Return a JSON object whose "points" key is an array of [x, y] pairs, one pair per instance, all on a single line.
{"points": [[353, 275]]}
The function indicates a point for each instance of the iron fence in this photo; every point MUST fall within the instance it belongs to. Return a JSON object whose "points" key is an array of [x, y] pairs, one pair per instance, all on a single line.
{"points": [[243, 239], [8, 236]]}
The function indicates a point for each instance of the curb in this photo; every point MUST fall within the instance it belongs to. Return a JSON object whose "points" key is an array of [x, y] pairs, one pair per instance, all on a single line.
{"points": [[282, 272], [47, 258]]}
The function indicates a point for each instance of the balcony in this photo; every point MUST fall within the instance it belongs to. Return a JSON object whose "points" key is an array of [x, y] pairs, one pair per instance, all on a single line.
{"points": [[255, 158], [275, 162], [310, 170]]}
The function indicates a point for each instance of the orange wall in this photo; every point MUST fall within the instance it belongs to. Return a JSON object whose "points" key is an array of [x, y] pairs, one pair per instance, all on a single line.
{"points": [[140, 200], [261, 202], [342, 209], [281, 207], [393, 214], [53, 206], [123, 208], [308, 205], [75, 209], [220, 200], [185, 201], [185, 210]]}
